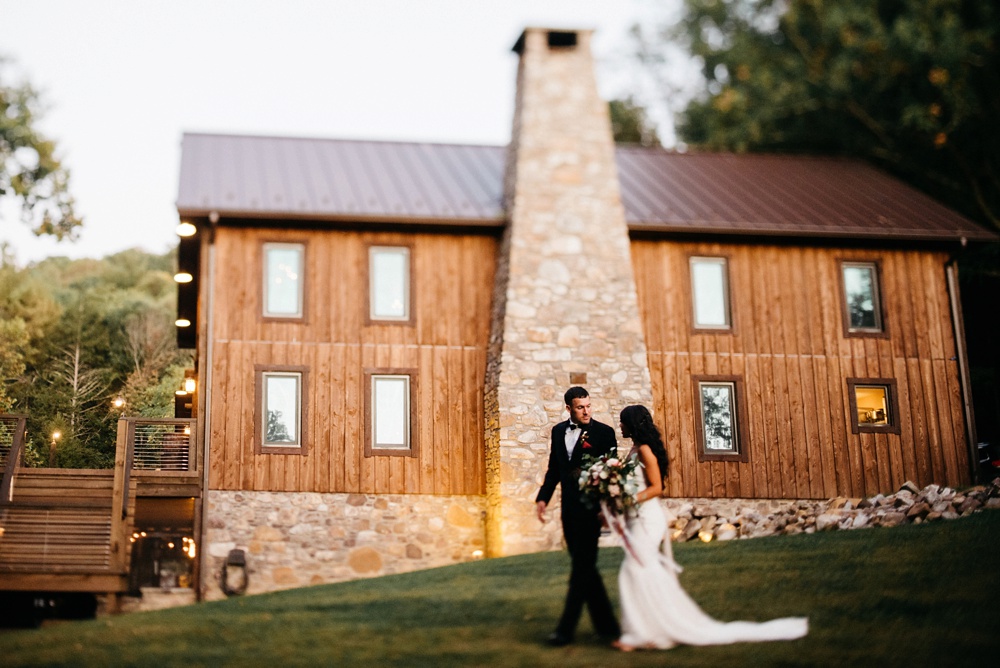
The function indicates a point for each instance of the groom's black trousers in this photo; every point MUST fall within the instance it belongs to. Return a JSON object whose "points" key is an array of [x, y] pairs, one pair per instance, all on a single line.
{"points": [[582, 529]]}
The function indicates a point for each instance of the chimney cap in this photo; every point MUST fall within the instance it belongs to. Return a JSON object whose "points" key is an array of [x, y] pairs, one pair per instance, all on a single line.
{"points": [[557, 37]]}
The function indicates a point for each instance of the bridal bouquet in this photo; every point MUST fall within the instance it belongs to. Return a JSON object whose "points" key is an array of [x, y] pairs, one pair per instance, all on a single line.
{"points": [[606, 481]]}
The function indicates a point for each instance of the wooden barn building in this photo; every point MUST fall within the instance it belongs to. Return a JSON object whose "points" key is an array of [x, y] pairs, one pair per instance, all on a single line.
{"points": [[384, 331]]}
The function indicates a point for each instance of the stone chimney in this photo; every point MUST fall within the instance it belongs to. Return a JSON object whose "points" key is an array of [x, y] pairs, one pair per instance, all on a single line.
{"points": [[565, 306]]}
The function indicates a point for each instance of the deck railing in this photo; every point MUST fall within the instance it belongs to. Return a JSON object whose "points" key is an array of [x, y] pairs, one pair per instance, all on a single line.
{"points": [[165, 445], [11, 446]]}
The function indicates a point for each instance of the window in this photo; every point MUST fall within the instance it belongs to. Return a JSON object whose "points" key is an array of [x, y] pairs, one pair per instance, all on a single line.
{"points": [[874, 406], [281, 410], [389, 283], [389, 418], [862, 302], [710, 292], [721, 409], [283, 280]]}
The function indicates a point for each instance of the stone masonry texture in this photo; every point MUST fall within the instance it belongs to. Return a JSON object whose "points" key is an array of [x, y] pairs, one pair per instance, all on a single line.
{"points": [[299, 539], [566, 311]]}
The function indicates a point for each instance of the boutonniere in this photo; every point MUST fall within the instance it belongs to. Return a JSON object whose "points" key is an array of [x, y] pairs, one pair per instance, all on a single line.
{"points": [[584, 443]]}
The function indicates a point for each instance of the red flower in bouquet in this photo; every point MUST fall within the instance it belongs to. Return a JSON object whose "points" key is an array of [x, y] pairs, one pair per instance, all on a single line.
{"points": [[584, 443]]}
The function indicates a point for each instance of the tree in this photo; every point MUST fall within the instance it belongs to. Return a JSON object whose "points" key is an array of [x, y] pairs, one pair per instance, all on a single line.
{"points": [[912, 85], [630, 123], [92, 330], [29, 169], [14, 338]]}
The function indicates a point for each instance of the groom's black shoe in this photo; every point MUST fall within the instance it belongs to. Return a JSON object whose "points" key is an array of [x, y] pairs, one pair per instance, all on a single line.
{"points": [[558, 640]]}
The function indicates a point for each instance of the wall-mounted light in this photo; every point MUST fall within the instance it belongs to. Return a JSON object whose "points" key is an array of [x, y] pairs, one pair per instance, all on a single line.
{"points": [[182, 322], [181, 392], [183, 277], [186, 229], [190, 384]]}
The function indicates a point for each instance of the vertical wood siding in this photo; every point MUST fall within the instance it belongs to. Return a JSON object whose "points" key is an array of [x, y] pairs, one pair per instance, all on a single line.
{"points": [[788, 344], [452, 287]]}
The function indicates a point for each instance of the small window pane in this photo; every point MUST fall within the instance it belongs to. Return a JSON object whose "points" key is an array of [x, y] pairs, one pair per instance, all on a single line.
{"points": [[873, 405], [861, 293], [390, 283], [282, 399], [391, 419], [283, 280], [717, 418], [709, 284]]}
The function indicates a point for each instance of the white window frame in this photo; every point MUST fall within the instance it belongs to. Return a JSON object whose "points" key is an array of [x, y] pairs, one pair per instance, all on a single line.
{"points": [[737, 417], [299, 312], [696, 289], [849, 329], [406, 418], [264, 374], [375, 282]]}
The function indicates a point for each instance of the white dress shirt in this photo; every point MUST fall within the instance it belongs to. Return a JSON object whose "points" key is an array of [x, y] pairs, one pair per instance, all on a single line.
{"points": [[573, 433]]}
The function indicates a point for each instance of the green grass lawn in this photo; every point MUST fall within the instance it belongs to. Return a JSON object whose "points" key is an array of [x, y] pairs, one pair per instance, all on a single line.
{"points": [[922, 595]]}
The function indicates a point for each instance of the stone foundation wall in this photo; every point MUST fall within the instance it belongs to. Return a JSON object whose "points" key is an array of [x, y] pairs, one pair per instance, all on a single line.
{"points": [[299, 539], [727, 519]]}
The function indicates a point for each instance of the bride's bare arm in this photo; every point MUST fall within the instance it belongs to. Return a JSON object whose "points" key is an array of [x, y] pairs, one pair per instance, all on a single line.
{"points": [[651, 469]]}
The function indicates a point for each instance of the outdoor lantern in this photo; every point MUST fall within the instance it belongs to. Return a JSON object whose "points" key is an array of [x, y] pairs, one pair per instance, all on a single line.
{"points": [[186, 229], [183, 277]]}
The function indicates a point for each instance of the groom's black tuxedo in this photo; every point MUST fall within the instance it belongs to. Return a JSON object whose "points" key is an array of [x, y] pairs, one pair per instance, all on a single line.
{"points": [[581, 526]]}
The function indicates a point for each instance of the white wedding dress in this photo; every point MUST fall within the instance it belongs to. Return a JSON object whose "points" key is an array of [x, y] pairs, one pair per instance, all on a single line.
{"points": [[655, 609]]}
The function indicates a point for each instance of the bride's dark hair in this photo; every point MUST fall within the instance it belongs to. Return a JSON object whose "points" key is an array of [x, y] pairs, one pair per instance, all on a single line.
{"points": [[639, 425]]}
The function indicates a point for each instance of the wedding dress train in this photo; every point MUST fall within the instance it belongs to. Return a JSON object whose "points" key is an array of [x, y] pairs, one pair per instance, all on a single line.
{"points": [[655, 609]]}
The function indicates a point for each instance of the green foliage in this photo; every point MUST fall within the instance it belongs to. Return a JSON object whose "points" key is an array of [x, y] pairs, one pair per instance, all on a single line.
{"points": [[630, 123], [90, 331], [913, 85], [29, 169], [14, 335], [908, 596]]}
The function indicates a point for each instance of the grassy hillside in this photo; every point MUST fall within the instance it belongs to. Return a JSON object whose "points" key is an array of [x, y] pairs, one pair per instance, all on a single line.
{"points": [[908, 596]]}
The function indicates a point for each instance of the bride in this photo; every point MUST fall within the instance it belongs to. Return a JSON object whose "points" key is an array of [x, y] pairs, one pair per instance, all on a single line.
{"points": [[656, 611]]}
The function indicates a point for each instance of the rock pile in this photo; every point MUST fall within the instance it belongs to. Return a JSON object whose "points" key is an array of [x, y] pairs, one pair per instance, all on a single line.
{"points": [[909, 505]]}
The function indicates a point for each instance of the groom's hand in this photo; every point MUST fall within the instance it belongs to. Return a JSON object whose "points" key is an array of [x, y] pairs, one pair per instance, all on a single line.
{"points": [[540, 511]]}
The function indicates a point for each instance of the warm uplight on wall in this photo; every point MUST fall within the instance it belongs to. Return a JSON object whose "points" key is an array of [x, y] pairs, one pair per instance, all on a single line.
{"points": [[186, 229], [183, 277], [705, 536], [182, 322]]}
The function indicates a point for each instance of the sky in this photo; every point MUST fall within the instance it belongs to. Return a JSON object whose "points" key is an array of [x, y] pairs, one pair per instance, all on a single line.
{"points": [[122, 81]]}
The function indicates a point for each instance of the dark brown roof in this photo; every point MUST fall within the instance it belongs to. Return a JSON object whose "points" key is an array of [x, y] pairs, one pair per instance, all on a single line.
{"points": [[778, 195], [333, 179], [710, 193]]}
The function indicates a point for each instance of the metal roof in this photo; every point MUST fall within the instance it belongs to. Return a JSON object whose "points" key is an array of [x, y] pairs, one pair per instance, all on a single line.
{"points": [[334, 179], [704, 193], [778, 195]]}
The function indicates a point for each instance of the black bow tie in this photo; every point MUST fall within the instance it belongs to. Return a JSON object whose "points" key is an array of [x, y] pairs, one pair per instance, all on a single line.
{"points": [[573, 426]]}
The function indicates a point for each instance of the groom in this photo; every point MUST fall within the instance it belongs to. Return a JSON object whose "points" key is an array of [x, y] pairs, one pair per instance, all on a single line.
{"points": [[581, 525]]}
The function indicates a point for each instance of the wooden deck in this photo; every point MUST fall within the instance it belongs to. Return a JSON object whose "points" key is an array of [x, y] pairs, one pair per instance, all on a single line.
{"points": [[69, 530]]}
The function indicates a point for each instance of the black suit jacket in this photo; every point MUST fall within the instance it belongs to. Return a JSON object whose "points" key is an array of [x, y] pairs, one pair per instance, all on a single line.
{"points": [[565, 471]]}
